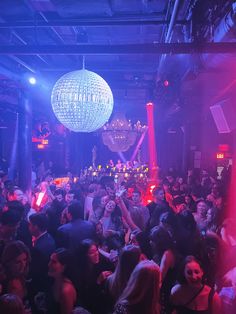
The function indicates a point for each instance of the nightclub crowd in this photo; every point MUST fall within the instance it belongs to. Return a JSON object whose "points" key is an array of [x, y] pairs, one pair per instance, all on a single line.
{"points": [[95, 247]]}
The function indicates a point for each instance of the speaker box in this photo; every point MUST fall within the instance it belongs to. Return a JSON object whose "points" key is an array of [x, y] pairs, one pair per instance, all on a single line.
{"points": [[224, 115]]}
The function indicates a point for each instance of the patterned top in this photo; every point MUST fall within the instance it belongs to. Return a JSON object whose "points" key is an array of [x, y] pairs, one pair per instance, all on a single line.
{"points": [[121, 309]]}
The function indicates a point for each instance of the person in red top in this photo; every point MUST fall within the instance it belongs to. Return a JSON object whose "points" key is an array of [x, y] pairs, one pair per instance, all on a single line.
{"points": [[43, 197]]}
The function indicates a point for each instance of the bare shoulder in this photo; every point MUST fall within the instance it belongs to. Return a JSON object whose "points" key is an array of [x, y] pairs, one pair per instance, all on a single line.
{"points": [[216, 304], [169, 254], [176, 294], [169, 257], [68, 289], [206, 289], [216, 297], [15, 284], [216, 301], [15, 281], [176, 289]]}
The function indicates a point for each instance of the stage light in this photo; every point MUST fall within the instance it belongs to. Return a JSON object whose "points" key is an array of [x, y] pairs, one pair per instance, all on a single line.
{"points": [[166, 83], [152, 187], [32, 80], [220, 156], [40, 146], [40, 198]]}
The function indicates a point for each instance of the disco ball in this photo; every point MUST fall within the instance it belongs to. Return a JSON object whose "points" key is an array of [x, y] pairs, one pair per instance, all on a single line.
{"points": [[82, 101]]}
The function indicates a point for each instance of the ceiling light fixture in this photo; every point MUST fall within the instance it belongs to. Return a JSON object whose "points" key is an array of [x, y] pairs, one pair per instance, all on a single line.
{"points": [[82, 101]]}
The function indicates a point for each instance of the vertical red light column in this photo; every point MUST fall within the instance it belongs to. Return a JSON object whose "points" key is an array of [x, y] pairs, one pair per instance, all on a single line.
{"points": [[151, 142]]}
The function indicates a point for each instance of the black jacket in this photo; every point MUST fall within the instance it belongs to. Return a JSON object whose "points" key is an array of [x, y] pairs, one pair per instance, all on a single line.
{"points": [[71, 234]]}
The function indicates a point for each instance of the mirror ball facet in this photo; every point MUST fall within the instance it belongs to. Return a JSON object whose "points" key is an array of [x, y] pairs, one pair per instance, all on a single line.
{"points": [[82, 101]]}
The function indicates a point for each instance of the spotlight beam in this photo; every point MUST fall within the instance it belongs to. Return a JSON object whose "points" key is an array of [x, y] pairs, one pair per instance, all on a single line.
{"points": [[138, 145]]}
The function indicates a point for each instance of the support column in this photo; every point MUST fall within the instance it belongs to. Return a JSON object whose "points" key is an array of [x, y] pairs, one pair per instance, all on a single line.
{"points": [[14, 151], [25, 143], [151, 142], [231, 201]]}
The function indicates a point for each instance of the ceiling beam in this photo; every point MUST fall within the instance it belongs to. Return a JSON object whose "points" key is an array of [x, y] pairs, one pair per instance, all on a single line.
{"points": [[24, 64], [28, 67], [168, 48], [25, 43], [124, 21], [9, 74], [133, 68]]}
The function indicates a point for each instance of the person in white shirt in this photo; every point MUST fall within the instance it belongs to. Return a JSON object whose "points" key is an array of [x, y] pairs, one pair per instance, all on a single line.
{"points": [[88, 203]]}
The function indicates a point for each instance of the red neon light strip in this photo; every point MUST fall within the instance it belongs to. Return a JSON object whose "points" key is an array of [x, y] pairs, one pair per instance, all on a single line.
{"points": [[151, 142]]}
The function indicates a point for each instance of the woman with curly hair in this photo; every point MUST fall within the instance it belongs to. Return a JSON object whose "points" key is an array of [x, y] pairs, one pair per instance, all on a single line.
{"points": [[15, 261]]}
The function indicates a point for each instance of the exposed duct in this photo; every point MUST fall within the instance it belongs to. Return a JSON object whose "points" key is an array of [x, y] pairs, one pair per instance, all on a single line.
{"points": [[168, 35], [166, 48], [115, 21], [224, 32], [227, 24]]}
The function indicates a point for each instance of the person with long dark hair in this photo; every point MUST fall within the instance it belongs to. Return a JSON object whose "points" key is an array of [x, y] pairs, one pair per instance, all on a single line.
{"points": [[141, 239], [129, 257], [15, 261], [63, 296], [141, 294], [191, 295], [98, 206], [113, 229], [93, 269], [164, 254]]}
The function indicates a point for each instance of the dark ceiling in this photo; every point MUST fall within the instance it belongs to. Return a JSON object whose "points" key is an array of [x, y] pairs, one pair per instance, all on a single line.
{"points": [[122, 41]]}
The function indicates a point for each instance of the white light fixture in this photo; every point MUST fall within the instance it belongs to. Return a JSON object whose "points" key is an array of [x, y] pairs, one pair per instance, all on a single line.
{"points": [[119, 135], [32, 80], [82, 101]]}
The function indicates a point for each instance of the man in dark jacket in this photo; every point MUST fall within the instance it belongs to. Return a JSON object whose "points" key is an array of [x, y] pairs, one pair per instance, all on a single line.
{"points": [[43, 245], [72, 233], [9, 224], [157, 207]]}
